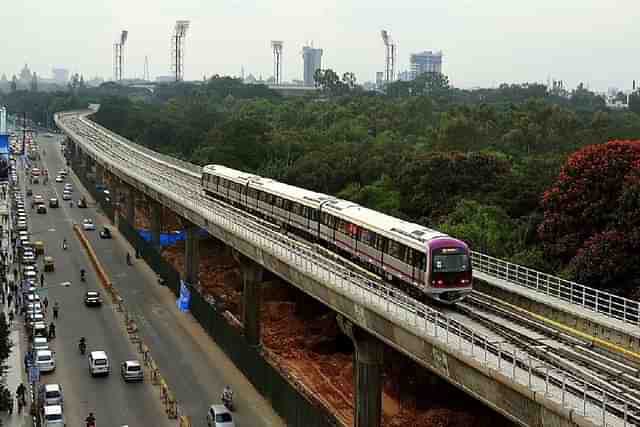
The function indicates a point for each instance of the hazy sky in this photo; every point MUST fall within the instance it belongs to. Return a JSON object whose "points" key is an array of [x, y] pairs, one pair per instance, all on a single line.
{"points": [[485, 42]]}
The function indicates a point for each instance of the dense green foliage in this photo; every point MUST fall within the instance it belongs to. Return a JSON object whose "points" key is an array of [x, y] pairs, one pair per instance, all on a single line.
{"points": [[474, 163]]}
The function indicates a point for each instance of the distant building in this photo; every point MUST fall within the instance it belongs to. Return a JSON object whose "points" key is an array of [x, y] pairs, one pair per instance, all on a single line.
{"points": [[60, 75], [425, 62], [404, 76], [312, 61], [25, 74], [379, 79]]}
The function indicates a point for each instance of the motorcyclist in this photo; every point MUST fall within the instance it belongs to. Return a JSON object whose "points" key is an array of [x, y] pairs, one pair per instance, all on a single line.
{"points": [[128, 258], [82, 274], [52, 330], [227, 394], [82, 344], [91, 420], [64, 244]]}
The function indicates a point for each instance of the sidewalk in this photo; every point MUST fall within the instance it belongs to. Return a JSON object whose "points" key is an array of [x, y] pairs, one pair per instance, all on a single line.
{"points": [[15, 373]]}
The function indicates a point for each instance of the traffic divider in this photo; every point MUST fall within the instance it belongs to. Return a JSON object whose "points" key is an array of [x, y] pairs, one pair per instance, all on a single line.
{"points": [[170, 403]]}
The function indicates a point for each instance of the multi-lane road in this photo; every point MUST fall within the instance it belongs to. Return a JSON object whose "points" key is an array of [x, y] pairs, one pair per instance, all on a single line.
{"points": [[193, 366]]}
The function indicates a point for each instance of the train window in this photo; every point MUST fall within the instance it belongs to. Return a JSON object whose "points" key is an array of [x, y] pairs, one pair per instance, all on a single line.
{"points": [[382, 244], [327, 219], [296, 208], [279, 202], [314, 215], [305, 211], [368, 237], [397, 250]]}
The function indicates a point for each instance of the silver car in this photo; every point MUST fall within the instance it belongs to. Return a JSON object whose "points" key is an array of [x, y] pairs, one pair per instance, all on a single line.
{"points": [[131, 370], [51, 394]]}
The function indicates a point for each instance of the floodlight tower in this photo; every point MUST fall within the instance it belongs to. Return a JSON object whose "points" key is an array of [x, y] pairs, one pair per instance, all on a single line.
{"points": [[118, 56], [390, 57], [276, 45], [177, 49]]}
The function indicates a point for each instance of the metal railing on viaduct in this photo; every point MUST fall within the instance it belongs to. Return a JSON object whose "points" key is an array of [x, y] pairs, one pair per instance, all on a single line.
{"points": [[517, 384]]}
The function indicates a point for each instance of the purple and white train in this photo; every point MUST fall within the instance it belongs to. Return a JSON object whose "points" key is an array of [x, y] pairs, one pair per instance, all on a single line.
{"points": [[422, 261]]}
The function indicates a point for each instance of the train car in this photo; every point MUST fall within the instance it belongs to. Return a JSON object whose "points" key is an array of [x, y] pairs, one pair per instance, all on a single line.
{"points": [[422, 261]]}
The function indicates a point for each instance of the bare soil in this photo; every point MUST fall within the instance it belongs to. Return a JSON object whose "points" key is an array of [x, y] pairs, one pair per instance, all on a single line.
{"points": [[303, 339]]}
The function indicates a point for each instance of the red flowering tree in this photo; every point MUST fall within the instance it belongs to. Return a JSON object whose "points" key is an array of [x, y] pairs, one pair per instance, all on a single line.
{"points": [[592, 213]]}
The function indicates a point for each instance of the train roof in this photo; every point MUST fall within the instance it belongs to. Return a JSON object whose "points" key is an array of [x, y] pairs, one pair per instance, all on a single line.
{"points": [[406, 232]]}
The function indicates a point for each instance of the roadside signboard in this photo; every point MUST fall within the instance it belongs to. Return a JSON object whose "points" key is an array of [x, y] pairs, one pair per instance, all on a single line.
{"points": [[34, 374]]}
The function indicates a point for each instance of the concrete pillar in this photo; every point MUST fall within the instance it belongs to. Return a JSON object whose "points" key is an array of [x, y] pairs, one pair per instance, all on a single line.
{"points": [[130, 209], [252, 277], [99, 174], [192, 256], [367, 374], [156, 224]]}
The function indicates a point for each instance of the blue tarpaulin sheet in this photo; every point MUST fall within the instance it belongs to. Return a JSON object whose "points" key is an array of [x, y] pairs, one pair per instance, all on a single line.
{"points": [[168, 239], [184, 300], [4, 157]]}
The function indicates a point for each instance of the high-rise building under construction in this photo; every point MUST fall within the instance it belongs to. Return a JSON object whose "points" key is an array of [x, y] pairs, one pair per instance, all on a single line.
{"points": [[312, 61], [425, 62]]}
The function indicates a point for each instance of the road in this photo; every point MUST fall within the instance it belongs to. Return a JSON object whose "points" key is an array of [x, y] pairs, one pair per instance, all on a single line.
{"points": [[194, 367], [112, 401]]}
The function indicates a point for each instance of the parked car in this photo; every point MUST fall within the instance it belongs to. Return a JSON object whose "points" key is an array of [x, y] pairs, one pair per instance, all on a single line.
{"points": [[131, 370], [45, 360], [52, 416], [88, 224], [59, 178], [51, 394]]}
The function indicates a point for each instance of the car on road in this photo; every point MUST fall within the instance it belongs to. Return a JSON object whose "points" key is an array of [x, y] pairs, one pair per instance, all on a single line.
{"points": [[105, 233], [42, 209], [131, 370], [62, 173], [54, 203], [51, 394], [66, 195], [52, 416], [39, 343], [29, 192], [40, 330], [45, 360], [49, 264], [59, 178], [34, 317], [99, 363], [88, 224], [38, 199], [68, 187], [219, 416], [92, 298]]}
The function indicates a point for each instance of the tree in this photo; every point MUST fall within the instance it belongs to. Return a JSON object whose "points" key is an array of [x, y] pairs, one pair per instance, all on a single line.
{"points": [[634, 101], [5, 349], [586, 199]]}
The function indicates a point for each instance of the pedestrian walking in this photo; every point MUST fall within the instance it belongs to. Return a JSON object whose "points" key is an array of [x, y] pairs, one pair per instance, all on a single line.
{"points": [[45, 302], [11, 315], [26, 362], [56, 308], [9, 299], [41, 280]]}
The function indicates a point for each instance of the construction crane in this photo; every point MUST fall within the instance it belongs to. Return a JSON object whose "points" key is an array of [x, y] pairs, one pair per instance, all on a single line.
{"points": [[390, 57]]}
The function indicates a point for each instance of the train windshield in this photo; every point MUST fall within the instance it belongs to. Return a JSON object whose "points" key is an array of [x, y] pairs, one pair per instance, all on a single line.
{"points": [[450, 260]]}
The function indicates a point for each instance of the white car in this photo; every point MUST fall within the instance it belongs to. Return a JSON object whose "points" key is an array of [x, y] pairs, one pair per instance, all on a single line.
{"points": [[52, 416], [219, 416], [59, 178], [40, 343], [66, 195], [45, 360], [88, 224]]}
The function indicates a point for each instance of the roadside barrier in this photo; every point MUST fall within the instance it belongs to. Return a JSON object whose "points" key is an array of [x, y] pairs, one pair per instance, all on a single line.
{"points": [[170, 403]]}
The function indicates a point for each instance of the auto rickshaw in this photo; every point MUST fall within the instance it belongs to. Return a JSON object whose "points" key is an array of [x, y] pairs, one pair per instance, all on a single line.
{"points": [[49, 264], [39, 246]]}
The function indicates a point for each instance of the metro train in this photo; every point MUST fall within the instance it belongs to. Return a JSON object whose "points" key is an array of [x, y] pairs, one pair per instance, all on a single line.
{"points": [[421, 261]]}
